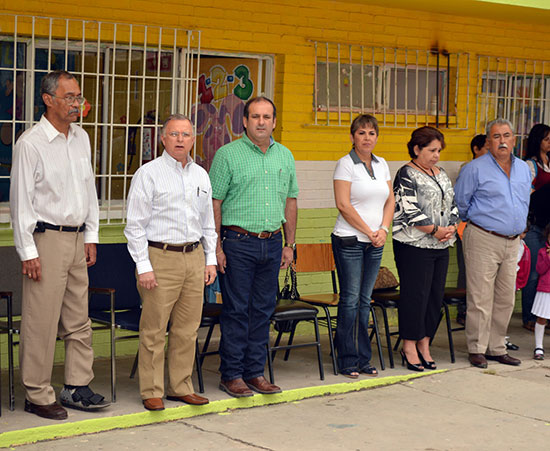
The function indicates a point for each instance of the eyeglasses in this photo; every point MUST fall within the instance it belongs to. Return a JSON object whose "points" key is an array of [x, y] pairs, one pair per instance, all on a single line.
{"points": [[177, 134], [69, 100]]}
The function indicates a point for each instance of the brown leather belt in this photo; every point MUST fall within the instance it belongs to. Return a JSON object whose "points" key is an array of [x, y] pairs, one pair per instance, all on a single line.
{"points": [[508, 237], [261, 235], [169, 247]]}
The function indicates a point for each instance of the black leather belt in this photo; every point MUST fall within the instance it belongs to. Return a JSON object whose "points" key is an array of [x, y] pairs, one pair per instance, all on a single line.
{"points": [[508, 237], [169, 247], [261, 235], [42, 226]]}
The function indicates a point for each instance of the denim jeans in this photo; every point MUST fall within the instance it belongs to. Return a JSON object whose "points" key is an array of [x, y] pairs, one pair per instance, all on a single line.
{"points": [[249, 291], [357, 267], [535, 241]]}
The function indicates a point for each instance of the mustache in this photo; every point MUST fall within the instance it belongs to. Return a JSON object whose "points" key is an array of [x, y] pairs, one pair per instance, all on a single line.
{"points": [[74, 110], [503, 146]]}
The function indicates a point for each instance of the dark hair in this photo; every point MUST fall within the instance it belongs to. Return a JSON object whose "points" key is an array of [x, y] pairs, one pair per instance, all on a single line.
{"points": [[536, 135], [50, 81], [423, 136], [259, 99], [363, 120], [547, 233], [477, 141]]}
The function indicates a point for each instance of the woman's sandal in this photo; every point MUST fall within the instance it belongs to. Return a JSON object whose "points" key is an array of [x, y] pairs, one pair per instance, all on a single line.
{"points": [[539, 355], [351, 373], [370, 371]]}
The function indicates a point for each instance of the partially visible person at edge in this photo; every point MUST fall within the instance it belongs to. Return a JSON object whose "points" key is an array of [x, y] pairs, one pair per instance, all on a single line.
{"points": [[254, 192], [537, 157], [365, 200], [424, 226], [172, 239], [492, 194], [479, 147], [55, 214]]}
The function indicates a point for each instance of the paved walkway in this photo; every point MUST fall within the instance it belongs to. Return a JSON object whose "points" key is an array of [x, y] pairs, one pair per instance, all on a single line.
{"points": [[502, 407]]}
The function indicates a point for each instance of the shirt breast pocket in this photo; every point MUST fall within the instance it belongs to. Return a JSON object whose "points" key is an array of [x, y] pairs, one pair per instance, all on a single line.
{"points": [[202, 199], [283, 182], [86, 169]]}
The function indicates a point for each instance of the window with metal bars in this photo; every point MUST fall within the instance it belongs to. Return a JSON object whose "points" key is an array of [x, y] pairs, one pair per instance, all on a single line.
{"points": [[514, 89], [402, 87], [132, 76]]}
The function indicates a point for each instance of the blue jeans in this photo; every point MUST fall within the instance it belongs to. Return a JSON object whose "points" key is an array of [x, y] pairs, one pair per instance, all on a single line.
{"points": [[357, 267], [535, 241], [249, 291]]}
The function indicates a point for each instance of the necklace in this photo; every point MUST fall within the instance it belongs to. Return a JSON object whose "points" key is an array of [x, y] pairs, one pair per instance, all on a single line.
{"points": [[433, 177]]}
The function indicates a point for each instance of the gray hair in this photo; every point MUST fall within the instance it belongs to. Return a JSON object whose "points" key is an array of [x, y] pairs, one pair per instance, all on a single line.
{"points": [[50, 81], [498, 121], [173, 117]]}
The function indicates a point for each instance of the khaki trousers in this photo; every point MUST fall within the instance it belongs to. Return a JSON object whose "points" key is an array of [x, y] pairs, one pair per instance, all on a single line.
{"points": [[178, 299], [490, 289], [57, 305]]}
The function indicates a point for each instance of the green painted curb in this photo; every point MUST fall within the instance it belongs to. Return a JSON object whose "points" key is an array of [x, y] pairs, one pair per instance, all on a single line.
{"points": [[33, 435]]}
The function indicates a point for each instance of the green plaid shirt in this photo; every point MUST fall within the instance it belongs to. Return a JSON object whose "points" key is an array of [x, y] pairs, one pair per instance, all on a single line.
{"points": [[252, 185]]}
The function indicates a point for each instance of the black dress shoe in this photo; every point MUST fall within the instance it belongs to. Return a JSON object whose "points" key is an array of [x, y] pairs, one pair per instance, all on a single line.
{"points": [[505, 359], [50, 411], [478, 360]]}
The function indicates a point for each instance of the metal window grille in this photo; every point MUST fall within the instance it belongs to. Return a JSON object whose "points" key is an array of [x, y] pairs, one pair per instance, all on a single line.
{"points": [[133, 77], [514, 89], [401, 87]]}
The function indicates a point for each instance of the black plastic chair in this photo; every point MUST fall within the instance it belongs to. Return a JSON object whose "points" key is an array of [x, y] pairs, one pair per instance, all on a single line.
{"points": [[285, 318], [114, 299], [11, 328]]}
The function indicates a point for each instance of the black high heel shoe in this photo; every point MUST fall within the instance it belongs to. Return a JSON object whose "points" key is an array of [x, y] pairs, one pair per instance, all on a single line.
{"points": [[428, 365], [410, 366]]}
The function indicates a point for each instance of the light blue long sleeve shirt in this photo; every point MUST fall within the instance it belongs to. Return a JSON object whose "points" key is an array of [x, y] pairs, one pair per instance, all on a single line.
{"points": [[486, 196]]}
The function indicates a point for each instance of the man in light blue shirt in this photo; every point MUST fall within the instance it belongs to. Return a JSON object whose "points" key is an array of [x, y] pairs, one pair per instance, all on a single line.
{"points": [[492, 194]]}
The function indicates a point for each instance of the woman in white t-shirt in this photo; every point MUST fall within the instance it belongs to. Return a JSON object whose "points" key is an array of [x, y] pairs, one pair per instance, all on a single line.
{"points": [[364, 198]]}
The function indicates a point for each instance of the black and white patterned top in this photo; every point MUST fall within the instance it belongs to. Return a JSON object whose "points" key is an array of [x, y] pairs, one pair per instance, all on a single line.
{"points": [[419, 201]]}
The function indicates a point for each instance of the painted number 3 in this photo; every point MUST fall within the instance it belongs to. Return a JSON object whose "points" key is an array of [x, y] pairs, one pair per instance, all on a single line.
{"points": [[244, 89]]}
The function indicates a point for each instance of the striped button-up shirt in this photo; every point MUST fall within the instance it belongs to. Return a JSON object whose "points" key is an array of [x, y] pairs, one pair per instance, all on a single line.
{"points": [[52, 181], [170, 204], [253, 185]]}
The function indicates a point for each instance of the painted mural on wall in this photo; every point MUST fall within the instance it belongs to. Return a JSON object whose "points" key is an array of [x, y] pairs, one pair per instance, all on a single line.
{"points": [[225, 84]]}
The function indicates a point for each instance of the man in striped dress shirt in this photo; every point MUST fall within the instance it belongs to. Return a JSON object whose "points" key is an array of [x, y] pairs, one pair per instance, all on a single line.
{"points": [[172, 238], [55, 216], [254, 189]]}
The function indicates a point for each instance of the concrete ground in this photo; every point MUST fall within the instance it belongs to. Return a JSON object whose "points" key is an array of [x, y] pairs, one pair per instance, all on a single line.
{"points": [[502, 407]]}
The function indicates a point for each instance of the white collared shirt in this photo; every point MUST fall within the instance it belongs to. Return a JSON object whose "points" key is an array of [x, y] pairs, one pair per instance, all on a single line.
{"points": [[169, 204], [52, 181]]}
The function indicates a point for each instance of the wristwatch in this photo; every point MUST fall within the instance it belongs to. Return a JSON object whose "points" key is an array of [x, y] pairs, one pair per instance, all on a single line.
{"points": [[291, 245], [385, 229]]}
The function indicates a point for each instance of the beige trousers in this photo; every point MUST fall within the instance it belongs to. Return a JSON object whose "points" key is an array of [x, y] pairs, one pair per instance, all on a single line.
{"points": [[490, 289], [57, 305], [178, 299]]}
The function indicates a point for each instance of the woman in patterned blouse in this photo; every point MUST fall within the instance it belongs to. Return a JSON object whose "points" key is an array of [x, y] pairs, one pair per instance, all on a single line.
{"points": [[423, 229]]}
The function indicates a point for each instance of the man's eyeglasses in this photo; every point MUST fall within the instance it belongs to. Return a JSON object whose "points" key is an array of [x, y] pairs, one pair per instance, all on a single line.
{"points": [[177, 134], [69, 100]]}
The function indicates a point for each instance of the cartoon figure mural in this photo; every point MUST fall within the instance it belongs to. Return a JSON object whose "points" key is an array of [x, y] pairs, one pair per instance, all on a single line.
{"points": [[225, 84]]}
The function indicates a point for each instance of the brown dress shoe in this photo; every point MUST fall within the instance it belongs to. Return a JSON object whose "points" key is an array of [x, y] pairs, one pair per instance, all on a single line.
{"points": [[153, 404], [261, 385], [51, 411], [478, 360], [506, 359], [193, 399], [236, 388]]}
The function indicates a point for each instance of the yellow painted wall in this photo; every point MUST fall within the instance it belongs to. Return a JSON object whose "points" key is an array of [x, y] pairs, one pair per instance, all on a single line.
{"points": [[284, 28]]}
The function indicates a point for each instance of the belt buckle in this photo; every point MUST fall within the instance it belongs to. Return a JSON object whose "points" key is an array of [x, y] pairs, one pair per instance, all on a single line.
{"points": [[264, 235]]}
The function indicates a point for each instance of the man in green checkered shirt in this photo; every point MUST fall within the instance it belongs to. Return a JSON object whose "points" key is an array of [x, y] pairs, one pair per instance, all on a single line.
{"points": [[254, 192]]}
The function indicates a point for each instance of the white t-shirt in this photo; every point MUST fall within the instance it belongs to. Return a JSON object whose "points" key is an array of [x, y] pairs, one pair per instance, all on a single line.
{"points": [[368, 196]]}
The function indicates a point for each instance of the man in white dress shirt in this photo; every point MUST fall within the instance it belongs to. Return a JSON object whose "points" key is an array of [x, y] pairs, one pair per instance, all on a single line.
{"points": [[55, 216], [172, 238]]}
